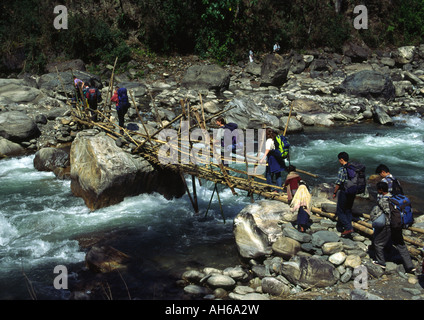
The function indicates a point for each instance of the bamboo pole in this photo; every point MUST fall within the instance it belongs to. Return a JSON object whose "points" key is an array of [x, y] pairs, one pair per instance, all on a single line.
{"points": [[288, 119], [109, 91]]}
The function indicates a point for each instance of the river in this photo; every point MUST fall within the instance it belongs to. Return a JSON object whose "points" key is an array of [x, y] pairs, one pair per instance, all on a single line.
{"points": [[43, 225]]}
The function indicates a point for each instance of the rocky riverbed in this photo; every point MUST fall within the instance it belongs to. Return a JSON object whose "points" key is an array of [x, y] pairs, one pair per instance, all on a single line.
{"points": [[324, 88], [280, 262]]}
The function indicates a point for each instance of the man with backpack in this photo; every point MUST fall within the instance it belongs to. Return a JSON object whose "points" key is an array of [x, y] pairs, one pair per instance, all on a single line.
{"points": [[394, 186], [227, 137], [93, 97], [391, 229], [120, 97], [350, 181]]}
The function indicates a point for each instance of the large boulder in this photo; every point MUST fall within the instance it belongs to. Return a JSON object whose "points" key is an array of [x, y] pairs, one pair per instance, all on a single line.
{"points": [[256, 227], [357, 52], [103, 174], [63, 82], [249, 115], [48, 159], [211, 77], [17, 126], [286, 247], [16, 91], [10, 149], [310, 271], [274, 70], [380, 116], [54, 160], [404, 55], [369, 84]]}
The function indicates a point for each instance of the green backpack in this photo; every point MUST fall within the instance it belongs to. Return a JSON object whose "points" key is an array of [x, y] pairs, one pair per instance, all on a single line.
{"points": [[283, 145]]}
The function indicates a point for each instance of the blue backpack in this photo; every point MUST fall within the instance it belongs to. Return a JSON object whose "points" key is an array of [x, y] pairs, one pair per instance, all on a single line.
{"points": [[401, 215], [123, 99]]}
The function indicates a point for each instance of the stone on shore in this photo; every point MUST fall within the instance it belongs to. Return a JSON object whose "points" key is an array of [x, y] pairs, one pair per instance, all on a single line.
{"points": [[17, 126], [369, 84], [310, 271], [211, 77], [10, 149], [256, 227], [103, 174], [105, 259]]}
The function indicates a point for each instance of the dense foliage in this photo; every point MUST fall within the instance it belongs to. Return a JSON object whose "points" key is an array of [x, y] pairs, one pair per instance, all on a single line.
{"points": [[224, 30]]}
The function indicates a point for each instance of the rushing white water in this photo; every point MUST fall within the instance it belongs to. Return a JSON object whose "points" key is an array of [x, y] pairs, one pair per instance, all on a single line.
{"points": [[41, 221]]}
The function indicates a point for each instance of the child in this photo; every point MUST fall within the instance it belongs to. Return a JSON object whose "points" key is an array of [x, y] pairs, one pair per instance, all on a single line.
{"points": [[301, 203], [292, 182]]}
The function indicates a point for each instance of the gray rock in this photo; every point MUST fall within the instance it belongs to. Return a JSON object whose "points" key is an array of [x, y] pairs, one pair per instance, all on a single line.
{"points": [[254, 68], [369, 84], [63, 83], [404, 55], [195, 290], [346, 276], [296, 235], [10, 149], [330, 248], [310, 271], [256, 227], [286, 247], [274, 287], [356, 52], [236, 273], [261, 271], [211, 77], [103, 174], [17, 126], [248, 115], [274, 70], [19, 93], [243, 290], [381, 116], [220, 281], [321, 237], [193, 275], [48, 159]]}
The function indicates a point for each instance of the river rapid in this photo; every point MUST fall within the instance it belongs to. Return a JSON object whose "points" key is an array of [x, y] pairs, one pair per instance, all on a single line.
{"points": [[43, 225]]}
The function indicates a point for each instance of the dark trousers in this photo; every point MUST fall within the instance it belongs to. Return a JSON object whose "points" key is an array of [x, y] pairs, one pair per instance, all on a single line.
{"points": [[382, 237], [121, 116], [278, 178], [93, 108], [344, 211]]}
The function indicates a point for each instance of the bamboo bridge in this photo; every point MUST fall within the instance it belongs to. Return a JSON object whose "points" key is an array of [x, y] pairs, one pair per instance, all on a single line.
{"points": [[149, 146]]}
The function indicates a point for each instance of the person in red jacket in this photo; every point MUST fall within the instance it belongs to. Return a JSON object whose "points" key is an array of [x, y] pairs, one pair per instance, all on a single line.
{"points": [[292, 182], [115, 97]]}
